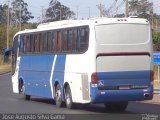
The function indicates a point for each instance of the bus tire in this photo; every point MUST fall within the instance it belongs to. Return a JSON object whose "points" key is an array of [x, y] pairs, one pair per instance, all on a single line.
{"points": [[116, 106], [68, 98], [58, 96], [27, 97], [22, 91]]}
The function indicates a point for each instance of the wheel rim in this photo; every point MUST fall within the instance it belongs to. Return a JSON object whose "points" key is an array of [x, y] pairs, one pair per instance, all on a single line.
{"points": [[58, 95], [68, 100], [22, 89]]}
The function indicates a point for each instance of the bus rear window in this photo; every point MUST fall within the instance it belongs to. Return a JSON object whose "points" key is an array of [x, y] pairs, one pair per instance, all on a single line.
{"points": [[122, 33]]}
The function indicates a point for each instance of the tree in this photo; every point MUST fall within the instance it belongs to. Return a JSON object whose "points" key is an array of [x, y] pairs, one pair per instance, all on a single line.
{"points": [[141, 8], [2, 37], [156, 41], [57, 11], [20, 12], [3, 13]]}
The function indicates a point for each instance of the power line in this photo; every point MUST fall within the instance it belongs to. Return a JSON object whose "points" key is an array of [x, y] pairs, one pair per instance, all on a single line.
{"points": [[119, 6], [109, 10], [113, 4]]}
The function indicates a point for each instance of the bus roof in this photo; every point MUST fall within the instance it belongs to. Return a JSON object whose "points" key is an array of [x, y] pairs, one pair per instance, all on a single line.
{"points": [[94, 21]]}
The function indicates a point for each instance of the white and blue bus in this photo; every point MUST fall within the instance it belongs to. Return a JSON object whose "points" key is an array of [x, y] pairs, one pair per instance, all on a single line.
{"points": [[103, 60]]}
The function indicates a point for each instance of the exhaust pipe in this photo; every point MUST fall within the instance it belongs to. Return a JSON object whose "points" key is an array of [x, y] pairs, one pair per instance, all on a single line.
{"points": [[146, 95]]}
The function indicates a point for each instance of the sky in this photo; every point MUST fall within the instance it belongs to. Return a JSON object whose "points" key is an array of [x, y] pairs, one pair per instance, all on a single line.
{"points": [[82, 8]]}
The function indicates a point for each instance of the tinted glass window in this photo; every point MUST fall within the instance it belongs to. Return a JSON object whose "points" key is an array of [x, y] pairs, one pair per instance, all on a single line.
{"points": [[68, 40]]}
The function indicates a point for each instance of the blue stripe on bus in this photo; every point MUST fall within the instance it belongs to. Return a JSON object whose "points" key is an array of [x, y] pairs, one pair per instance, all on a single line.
{"points": [[58, 73], [127, 77], [102, 96], [37, 70]]}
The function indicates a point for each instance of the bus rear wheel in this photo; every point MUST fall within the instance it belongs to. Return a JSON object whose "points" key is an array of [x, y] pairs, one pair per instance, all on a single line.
{"points": [[22, 91], [116, 106], [58, 96], [68, 98]]}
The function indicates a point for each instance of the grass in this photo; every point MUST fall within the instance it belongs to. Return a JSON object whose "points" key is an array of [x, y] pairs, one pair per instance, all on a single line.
{"points": [[4, 67]]}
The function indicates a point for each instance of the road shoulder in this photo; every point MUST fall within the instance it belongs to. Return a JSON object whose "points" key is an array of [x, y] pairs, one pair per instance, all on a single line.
{"points": [[5, 68]]}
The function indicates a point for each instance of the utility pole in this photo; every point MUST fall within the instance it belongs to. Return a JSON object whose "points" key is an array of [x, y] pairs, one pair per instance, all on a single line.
{"points": [[89, 12], [20, 17], [42, 17], [126, 9], [60, 15], [8, 25], [77, 11], [102, 10]]}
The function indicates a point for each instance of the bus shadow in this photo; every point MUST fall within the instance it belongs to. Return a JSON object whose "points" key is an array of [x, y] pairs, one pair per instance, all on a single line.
{"points": [[97, 108], [133, 107], [93, 108], [44, 100], [144, 108]]}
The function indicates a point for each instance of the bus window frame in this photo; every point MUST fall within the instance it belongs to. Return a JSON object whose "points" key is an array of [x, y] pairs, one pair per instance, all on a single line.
{"points": [[54, 38]]}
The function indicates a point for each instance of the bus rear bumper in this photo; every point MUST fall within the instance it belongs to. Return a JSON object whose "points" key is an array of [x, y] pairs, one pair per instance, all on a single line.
{"points": [[102, 96]]}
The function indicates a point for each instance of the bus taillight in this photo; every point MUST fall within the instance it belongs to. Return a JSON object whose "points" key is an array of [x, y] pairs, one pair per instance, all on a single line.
{"points": [[94, 78]]}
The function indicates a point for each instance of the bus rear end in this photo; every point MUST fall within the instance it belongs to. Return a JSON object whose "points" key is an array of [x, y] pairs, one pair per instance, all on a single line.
{"points": [[124, 69]]}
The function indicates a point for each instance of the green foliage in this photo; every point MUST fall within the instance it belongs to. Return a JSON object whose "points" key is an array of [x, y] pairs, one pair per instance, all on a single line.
{"points": [[3, 16], [13, 30], [156, 41], [156, 37], [57, 11], [141, 8], [2, 37], [17, 7]]}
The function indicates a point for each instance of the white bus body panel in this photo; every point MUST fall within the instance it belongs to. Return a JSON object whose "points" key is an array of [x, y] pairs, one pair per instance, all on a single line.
{"points": [[77, 74], [15, 77], [123, 63]]}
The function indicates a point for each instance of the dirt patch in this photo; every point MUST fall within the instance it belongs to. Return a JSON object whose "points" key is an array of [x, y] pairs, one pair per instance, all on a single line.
{"points": [[5, 68]]}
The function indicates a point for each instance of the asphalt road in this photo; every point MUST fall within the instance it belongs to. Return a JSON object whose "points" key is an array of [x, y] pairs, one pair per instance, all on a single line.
{"points": [[14, 103]]}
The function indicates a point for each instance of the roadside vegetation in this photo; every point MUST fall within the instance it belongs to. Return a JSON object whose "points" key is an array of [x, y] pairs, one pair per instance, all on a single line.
{"points": [[4, 67]]}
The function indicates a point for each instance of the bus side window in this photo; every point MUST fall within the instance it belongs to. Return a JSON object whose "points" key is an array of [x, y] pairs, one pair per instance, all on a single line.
{"points": [[58, 41], [74, 42], [32, 43], [78, 39], [21, 44], [40, 42], [70, 39], [50, 42], [45, 42], [24, 44], [36, 43], [84, 39], [64, 39], [53, 41], [28, 47]]}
